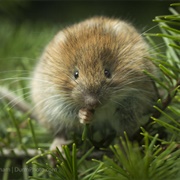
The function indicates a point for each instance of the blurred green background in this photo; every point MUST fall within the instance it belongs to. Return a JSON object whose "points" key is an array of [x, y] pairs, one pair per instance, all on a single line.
{"points": [[26, 26]]}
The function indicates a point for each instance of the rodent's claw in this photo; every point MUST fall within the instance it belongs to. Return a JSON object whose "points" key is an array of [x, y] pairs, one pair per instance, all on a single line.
{"points": [[85, 116]]}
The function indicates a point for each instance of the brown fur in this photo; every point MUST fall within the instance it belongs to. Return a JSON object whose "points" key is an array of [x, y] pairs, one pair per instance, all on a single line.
{"points": [[91, 47]]}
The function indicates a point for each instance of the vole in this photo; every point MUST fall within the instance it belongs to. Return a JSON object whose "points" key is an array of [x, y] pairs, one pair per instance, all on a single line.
{"points": [[92, 72]]}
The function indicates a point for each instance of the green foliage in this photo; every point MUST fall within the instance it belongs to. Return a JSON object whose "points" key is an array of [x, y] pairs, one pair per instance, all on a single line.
{"points": [[129, 162], [167, 113], [24, 143], [149, 163], [65, 164]]}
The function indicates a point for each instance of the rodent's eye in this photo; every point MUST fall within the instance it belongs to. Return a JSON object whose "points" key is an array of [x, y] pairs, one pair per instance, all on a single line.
{"points": [[107, 73], [76, 74]]}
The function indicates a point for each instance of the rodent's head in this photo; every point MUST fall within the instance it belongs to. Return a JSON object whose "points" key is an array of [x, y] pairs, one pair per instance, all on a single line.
{"points": [[94, 61]]}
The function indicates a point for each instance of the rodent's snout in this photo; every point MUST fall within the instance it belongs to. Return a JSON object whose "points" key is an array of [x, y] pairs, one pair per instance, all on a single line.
{"points": [[91, 101]]}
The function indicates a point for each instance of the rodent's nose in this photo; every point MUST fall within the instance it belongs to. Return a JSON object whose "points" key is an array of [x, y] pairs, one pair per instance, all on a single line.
{"points": [[91, 101]]}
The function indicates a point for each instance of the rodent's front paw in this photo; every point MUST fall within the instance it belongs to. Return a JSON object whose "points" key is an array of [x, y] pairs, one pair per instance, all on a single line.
{"points": [[58, 143], [85, 116]]}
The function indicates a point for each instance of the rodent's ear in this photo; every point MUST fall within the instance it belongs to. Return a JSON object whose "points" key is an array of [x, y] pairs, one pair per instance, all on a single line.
{"points": [[60, 37]]}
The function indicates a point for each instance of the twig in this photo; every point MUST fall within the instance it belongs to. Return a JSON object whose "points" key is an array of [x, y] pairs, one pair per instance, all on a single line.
{"points": [[157, 113], [18, 103], [21, 154], [165, 104]]}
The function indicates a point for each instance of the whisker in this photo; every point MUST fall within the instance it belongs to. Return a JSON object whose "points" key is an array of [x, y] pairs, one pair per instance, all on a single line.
{"points": [[160, 45], [18, 57], [139, 99], [10, 96], [66, 74], [117, 102], [25, 78], [149, 29], [22, 72]]}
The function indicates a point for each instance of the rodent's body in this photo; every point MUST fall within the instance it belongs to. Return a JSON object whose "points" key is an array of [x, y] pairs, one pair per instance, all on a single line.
{"points": [[95, 65]]}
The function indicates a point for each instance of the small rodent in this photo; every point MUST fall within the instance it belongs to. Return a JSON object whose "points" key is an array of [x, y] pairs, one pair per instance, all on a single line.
{"points": [[92, 72]]}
